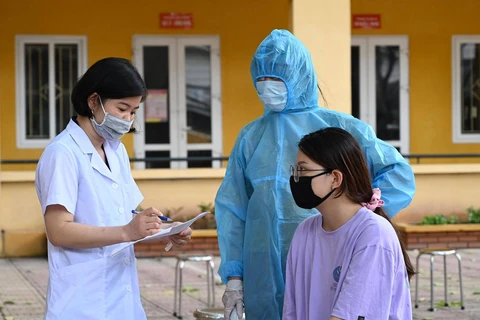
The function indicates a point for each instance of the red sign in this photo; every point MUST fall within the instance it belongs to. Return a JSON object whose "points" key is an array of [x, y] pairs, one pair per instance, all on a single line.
{"points": [[366, 21], [176, 20]]}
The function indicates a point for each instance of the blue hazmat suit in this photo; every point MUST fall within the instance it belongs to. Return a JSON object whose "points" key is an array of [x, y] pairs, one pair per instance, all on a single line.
{"points": [[255, 211]]}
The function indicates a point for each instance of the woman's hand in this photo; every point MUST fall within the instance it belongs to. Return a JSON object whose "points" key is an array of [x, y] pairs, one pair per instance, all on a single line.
{"points": [[145, 223], [181, 238]]}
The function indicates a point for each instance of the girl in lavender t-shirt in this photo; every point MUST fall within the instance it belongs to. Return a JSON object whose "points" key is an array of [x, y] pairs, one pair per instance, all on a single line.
{"points": [[347, 262]]}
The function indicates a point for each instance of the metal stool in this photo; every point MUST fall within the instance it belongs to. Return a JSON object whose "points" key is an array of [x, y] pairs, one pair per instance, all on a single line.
{"points": [[181, 259], [439, 252]]}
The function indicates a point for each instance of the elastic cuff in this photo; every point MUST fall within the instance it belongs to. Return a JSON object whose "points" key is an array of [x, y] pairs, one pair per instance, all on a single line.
{"points": [[230, 269]]}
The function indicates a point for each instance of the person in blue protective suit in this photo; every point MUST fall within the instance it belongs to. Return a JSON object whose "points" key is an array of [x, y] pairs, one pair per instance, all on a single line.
{"points": [[255, 211]]}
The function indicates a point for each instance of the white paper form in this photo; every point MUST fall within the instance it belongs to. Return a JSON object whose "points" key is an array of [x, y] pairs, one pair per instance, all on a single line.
{"points": [[162, 234]]}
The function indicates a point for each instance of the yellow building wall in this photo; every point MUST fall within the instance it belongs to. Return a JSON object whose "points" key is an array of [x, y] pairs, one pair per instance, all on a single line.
{"points": [[324, 27], [109, 27], [429, 26], [109, 30], [23, 224], [22, 231]]}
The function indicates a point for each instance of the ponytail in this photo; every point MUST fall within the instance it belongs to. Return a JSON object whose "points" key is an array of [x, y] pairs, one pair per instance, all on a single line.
{"points": [[401, 238]]}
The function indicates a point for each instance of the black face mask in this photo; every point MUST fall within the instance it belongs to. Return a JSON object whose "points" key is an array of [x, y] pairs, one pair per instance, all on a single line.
{"points": [[303, 193]]}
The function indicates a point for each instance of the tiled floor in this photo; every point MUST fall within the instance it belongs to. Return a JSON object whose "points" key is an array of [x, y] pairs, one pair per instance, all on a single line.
{"points": [[23, 284]]}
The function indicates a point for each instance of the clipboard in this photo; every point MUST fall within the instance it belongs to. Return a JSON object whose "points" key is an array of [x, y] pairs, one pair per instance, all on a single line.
{"points": [[162, 234]]}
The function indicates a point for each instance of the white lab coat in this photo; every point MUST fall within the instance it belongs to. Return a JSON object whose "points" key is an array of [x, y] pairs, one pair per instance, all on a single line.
{"points": [[88, 283]]}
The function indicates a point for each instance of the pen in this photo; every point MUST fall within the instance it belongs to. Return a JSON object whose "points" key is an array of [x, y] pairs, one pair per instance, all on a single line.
{"points": [[161, 217]]}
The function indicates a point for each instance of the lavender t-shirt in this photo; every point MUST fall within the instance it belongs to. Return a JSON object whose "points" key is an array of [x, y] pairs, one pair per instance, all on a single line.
{"points": [[353, 272]]}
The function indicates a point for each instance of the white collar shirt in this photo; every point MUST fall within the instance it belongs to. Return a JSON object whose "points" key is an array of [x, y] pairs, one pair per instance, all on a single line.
{"points": [[88, 283]]}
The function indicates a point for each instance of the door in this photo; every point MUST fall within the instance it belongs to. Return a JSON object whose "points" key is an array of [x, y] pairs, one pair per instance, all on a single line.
{"points": [[380, 87], [182, 114]]}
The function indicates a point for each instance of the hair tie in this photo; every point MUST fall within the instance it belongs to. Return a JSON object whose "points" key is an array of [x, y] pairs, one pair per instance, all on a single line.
{"points": [[375, 202]]}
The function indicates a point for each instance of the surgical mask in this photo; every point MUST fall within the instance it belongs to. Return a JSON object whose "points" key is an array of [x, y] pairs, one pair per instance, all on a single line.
{"points": [[303, 194], [111, 128], [273, 94]]}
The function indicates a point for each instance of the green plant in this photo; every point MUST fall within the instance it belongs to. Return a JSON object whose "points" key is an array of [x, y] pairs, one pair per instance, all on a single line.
{"points": [[453, 219], [473, 215], [439, 219], [188, 288], [208, 222], [168, 212], [172, 212], [441, 303], [204, 207], [455, 304]]}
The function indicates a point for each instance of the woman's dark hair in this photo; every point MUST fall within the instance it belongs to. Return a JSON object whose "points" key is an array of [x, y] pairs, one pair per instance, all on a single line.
{"points": [[110, 78], [323, 96], [335, 148]]}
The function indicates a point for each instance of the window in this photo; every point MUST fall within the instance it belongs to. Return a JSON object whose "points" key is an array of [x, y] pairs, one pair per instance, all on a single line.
{"points": [[466, 89], [182, 115], [47, 68], [380, 83]]}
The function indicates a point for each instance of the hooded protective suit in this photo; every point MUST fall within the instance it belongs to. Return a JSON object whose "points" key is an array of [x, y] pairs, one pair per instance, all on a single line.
{"points": [[255, 211]]}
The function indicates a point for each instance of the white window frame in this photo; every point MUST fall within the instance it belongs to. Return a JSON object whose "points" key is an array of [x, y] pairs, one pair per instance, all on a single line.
{"points": [[457, 135], [140, 147], [178, 145], [368, 103], [51, 40], [365, 108]]}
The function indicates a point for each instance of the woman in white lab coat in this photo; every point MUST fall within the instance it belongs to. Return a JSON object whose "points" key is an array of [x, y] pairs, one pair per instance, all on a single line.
{"points": [[87, 193]]}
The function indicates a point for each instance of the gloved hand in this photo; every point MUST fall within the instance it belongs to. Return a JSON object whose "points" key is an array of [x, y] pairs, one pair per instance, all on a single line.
{"points": [[233, 300]]}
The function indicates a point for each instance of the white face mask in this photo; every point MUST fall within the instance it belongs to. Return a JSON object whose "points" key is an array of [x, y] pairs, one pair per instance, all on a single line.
{"points": [[273, 94], [111, 128]]}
